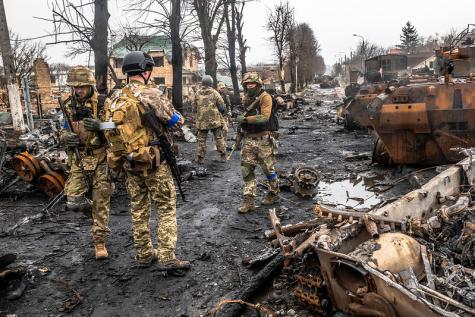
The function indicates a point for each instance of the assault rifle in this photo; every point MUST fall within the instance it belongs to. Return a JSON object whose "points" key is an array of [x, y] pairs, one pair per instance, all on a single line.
{"points": [[77, 154], [238, 138], [150, 120]]}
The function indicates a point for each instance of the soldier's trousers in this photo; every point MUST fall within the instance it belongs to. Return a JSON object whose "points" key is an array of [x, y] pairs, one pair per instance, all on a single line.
{"points": [[225, 131], [157, 186], [258, 151], [218, 137], [102, 189]]}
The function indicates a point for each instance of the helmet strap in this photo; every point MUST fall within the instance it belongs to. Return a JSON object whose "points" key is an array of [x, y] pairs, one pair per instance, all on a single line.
{"points": [[146, 79]]}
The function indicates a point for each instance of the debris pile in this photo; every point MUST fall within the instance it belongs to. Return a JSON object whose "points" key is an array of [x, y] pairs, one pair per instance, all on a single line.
{"points": [[306, 106], [35, 158], [412, 257]]}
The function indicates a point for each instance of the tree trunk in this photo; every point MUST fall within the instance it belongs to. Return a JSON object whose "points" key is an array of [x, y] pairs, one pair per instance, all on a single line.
{"points": [[293, 88], [10, 75], [231, 34], [281, 75], [210, 59], [206, 20], [101, 20], [240, 38], [177, 55]]}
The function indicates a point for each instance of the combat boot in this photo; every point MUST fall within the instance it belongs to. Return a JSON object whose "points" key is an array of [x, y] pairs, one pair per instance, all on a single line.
{"points": [[147, 261], [224, 157], [247, 205], [101, 251], [270, 199], [174, 264]]}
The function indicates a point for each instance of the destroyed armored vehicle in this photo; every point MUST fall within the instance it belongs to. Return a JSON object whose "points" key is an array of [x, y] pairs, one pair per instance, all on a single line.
{"points": [[379, 71], [412, 257], [421, 123]]}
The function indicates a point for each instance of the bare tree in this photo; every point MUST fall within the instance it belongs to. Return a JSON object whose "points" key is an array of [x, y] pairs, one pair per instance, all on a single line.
{"points": [[242, 41], [9, 71], [230, 18], [25, 52], [174, 19], [73, 25], [366, 49], [210, 16], [59, 72], [133, 38], [280, 21]]}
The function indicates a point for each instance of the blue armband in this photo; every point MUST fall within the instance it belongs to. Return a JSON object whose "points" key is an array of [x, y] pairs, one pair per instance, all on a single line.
{"points": [[272, 176], [173, 120]]}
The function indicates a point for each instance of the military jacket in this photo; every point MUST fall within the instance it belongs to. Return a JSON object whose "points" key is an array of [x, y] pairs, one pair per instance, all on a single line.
{"points": [[205, 108]]}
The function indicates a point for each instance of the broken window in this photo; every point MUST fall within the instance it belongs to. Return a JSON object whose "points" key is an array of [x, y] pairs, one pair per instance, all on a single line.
{"points": [[158, 60], [159, 80]]}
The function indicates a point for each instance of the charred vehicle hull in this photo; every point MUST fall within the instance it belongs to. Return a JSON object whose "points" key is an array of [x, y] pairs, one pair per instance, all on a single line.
{"points": [[421, 124]]}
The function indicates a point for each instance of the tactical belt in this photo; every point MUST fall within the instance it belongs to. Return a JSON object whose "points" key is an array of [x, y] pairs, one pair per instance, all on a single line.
{"points": [[264, 136]]}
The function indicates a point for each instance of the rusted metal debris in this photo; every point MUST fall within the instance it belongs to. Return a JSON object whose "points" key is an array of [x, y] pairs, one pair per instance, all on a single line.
{"points": [[302, 181], [412, 257], [70, 303], [35, 158]]}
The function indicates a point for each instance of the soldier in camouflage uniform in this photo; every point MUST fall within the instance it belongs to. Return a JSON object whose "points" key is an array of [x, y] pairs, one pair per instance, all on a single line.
{"points": [[221, 88], [84, 112], [134, 147], [209, 108], [259, 144]]}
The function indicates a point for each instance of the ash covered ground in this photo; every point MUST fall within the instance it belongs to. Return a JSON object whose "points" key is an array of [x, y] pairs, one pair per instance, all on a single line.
{"points": [[59, 256]]}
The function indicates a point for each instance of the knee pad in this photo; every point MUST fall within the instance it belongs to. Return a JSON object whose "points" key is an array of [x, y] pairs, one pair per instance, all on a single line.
{"points": [[247, 171]]}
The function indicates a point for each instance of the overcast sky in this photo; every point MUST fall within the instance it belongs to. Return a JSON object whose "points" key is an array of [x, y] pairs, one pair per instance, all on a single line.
{"points": [[334, 22]]}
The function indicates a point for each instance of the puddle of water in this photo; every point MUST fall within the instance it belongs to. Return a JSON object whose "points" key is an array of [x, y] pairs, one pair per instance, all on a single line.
{"points": [[349, 192]]}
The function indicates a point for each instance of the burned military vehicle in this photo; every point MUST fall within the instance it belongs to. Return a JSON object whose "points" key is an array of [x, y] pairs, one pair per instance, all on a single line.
{"points": [[421, 123], [414, 256], [379, 71]]}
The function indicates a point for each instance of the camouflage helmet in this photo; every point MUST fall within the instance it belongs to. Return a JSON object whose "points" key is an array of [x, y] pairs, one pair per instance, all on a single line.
{"points": [[221, 85], [80, 76], [251, 77]]}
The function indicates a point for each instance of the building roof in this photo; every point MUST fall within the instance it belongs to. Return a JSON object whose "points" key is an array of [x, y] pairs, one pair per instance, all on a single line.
{"points": [[156, 43], [417, 58]]}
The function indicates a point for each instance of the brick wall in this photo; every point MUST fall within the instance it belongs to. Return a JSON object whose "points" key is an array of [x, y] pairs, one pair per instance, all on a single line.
{"points": [[43, 84]]}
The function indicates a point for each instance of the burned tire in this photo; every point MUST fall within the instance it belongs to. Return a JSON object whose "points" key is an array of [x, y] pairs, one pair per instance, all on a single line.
{"points": [[381, 154]]}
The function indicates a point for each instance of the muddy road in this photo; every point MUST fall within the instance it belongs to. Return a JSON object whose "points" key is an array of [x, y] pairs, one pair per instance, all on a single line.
{"points": [[58, 251]]}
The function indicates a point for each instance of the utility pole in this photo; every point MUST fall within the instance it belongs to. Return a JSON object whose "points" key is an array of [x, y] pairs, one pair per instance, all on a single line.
{"points": [[10, 73], [26, 97]]}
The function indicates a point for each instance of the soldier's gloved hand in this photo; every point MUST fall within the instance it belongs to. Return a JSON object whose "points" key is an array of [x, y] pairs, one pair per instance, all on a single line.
{"points": [[71, 139], [91, 124], [222, 109], [241, 119]]}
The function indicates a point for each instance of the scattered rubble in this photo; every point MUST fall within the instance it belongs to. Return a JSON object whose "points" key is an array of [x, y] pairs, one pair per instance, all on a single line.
{"points": [[413, 257], [34, 158]]}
